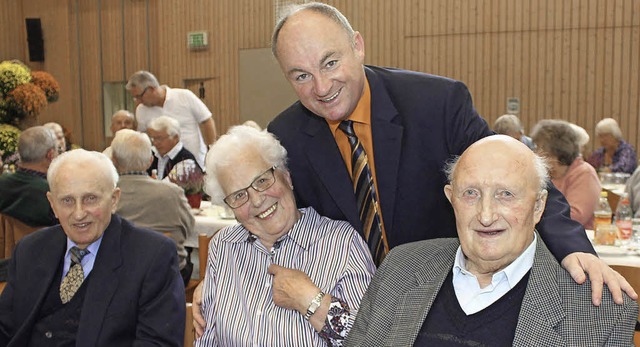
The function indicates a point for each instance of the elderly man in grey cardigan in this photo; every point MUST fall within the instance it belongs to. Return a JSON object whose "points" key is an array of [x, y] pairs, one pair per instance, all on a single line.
{"points": [[497, 284]]}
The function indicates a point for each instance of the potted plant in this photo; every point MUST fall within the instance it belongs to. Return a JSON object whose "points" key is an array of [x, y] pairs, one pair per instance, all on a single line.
{"points": [[191, 179]]}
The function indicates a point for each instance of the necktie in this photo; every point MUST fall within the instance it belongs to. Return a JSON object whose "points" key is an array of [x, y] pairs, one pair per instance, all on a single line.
{"points": [[73, 280], [365, 192]]}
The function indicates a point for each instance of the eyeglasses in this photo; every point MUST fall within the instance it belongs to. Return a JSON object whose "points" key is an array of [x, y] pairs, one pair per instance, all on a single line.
{"points": [[260, 184], [158, 138], [139, 96]]}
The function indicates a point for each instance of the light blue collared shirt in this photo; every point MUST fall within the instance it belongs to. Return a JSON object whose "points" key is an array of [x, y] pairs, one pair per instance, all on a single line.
{"points": [[471, 297], [87, 261]]}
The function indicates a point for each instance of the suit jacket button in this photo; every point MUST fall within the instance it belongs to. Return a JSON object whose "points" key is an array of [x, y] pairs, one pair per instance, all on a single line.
{"points": [[48, 334]]}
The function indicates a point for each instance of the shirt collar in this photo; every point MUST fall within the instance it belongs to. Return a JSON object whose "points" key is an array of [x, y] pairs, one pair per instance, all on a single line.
{"points": [[513, 272], [172, 153], [304, 232], [32, 172], [362, 112], [92, 248]]}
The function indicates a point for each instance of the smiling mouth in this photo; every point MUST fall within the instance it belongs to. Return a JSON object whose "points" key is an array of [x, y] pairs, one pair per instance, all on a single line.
{"points": [[332, 97], [269, 211], [489, 232], [81, 225]]}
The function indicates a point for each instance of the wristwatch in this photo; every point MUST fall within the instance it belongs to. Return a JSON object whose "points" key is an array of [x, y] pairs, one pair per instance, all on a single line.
{"points": [[313, 306]]}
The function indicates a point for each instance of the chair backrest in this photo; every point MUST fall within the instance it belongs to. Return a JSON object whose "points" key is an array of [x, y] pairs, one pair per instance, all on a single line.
{"points": [[632, 275], [203, 252], [189, 330], [11, 231]]}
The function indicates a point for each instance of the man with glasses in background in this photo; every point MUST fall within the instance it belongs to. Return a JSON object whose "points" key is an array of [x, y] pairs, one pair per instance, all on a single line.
{"points": [[154, 100]]}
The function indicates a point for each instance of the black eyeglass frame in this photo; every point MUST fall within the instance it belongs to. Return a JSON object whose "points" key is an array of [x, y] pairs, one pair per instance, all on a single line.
{"points": [[139, 96], [234, 205]]}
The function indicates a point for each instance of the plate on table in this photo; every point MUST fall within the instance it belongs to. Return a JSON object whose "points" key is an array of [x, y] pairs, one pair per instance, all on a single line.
{"points": [[610, 250]]}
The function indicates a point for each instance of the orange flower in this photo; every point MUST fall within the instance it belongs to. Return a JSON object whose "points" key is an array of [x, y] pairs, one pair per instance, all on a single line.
{"points": [[47, 83], [26, 100]]}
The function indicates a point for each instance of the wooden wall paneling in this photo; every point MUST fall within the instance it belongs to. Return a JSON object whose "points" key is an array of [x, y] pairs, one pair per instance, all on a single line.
{"points": [[608, 55], [13, 38], [634, 72], [616, 66], [573, 56], [111, 49], [557, 73], [523, 69], [566, 101], [136, 40]]}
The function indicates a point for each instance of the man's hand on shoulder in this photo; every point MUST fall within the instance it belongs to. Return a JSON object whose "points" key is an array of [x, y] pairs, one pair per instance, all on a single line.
{"points": [[578, 263]]}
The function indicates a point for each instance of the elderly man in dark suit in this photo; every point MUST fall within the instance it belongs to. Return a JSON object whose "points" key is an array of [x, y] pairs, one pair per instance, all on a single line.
{"points": [[498, 284], [95, 279]]}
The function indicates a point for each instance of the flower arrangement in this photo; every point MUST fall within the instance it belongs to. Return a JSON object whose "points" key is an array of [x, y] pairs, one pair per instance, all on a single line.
{"points": [[23, 93], [188, 176], [47, 83], [9, 143]]}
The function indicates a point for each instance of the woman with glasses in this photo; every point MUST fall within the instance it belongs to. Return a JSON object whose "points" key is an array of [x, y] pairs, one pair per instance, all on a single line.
{"points": [[284, 276]]}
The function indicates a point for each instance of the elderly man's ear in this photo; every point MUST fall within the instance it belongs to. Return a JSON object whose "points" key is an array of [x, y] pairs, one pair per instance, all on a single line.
{"points": [[541, 202], [448, 191]]}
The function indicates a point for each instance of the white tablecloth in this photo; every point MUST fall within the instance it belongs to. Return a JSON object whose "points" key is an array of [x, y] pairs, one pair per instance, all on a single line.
{"points": [[209, 219], [627, 256]]}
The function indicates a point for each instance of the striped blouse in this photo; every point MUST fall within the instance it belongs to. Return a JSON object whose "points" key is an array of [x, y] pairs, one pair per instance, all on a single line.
{"points": [[237, 297]]}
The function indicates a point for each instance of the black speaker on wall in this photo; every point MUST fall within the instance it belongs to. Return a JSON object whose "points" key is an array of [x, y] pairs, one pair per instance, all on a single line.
{"points": [[34, 39]]}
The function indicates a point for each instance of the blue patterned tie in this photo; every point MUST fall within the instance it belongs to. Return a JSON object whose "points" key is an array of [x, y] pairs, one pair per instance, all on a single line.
{"points": [[365, 192], [74, 278]]}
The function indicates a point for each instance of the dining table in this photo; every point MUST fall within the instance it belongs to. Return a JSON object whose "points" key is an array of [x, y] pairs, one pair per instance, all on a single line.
{"points": [[210, 219], [617, 255]]}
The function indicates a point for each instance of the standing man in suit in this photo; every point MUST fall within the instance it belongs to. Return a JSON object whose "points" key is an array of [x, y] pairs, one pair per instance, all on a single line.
{"points": [[498, 273], [409, 124], [154, 100], [94, 279]]}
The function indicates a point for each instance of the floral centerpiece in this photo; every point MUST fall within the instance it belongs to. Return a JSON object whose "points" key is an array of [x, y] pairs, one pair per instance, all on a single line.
{"points": [[188, 176]]}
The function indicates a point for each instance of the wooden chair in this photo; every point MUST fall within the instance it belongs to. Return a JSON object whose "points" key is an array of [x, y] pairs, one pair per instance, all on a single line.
{"points": [[203, 253], [203, 247], [189, 330], [11, 231], [632, 275]]}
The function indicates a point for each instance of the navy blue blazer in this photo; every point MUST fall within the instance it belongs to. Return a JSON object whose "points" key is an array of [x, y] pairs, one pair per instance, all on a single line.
{"points": [[135, 294], [418, 122]]}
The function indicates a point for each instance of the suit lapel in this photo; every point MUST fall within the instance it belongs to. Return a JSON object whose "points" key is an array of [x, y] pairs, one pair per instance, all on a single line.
{"points": [[541, 309], [387, 141], [103, 284], [415, 304], [325, 159], [47, 262]]}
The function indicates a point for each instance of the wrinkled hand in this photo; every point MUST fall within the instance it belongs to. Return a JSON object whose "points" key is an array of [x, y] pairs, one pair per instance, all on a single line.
{"points": [[599, 273], [292, 289], [198, 319]]}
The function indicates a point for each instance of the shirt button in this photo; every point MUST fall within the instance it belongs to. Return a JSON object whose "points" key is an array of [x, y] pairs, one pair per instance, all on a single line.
{"points": [[267, 285], [48, 334]]}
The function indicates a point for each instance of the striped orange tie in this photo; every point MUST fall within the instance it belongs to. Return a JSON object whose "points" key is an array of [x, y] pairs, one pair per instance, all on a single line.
{"points": [[365, 192]]}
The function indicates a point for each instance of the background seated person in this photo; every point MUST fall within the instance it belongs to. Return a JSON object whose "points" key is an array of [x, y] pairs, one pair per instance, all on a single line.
{"points": [[24, 193], [509, 124], [94, 279], [495, 285], [122, 119], [58, 131], [282, 276], [140, 195], [615, 155], [577, 180], [168, 150]]}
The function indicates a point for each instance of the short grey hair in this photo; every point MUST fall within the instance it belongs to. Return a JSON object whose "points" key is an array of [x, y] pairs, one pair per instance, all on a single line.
{"points": [[539, 163], [557, 138], [609, 126], [166, 123], [142, 79], [508, 123], [235, 144], [582, 135], [317, 7], [35, 143], [101, 163], [123, 112], [131, 150]]}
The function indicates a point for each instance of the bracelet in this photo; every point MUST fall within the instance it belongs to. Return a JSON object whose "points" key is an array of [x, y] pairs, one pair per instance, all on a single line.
{"points": [[313, 306]]}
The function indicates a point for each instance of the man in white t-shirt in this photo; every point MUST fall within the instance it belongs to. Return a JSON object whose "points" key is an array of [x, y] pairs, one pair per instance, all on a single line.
{"points": [[197, 125]]}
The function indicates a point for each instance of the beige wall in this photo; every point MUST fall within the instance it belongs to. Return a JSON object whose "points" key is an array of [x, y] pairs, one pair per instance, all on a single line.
{"points": [[572, 59]]}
